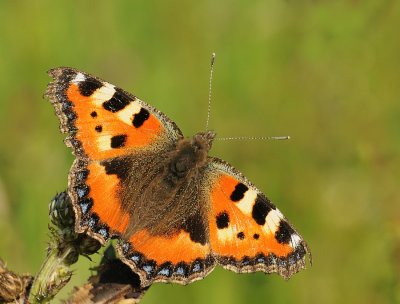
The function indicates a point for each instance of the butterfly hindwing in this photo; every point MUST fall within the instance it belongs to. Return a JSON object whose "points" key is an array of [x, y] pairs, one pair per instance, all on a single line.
{"points": [[167, 258], [247, 232]]}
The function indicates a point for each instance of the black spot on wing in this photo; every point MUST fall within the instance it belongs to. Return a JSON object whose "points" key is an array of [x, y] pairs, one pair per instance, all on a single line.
{"points": [[89, 86], [196, 228], [103, 230], [256, 236], [117, 166], [222, 220], [91, 220], [260, 259], [82, 190], [240, 235], [140, 117], [71, 116], [137, 258], [126, 248], [245, 261], [81, 176], [66, 105], [181, 269], [98, 128], [239, 192], [93, 114], [261, 208], [166, 269], [284, 233], [197, 266], [149, 267], [86, 204], [118, 141], [117, 102]]}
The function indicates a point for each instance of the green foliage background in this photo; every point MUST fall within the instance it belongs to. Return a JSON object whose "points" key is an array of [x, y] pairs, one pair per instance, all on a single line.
{"points": [[324, 72]]}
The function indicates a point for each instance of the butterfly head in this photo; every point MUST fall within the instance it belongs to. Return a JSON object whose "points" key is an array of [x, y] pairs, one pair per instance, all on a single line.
{"points": [[191, 153], [203, 140]]}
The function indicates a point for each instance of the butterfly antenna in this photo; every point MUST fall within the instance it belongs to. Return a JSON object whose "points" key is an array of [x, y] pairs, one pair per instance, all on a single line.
{"points": [[210, 89], [254, 138]]}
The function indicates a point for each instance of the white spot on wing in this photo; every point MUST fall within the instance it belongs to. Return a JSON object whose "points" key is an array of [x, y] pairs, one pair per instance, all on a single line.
{"points": [[105, 93], [296, 240], [247, 202], [280, 215], [104, 142], [226, 234], [79, 78], [126, 114], [272, 221]]}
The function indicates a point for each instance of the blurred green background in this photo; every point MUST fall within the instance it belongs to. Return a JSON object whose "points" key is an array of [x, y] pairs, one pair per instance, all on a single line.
{"points": [[326, 73]]}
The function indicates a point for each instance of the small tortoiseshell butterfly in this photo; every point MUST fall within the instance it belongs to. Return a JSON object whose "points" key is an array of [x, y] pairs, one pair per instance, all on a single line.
{"points": [[176, 211]]}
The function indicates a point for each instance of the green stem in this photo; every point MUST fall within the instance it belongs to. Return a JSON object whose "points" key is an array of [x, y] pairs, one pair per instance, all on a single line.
{"points": [[52, 276]]}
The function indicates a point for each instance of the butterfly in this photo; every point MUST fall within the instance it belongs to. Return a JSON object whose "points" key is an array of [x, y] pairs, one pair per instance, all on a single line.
{"points": [[176, 211]]}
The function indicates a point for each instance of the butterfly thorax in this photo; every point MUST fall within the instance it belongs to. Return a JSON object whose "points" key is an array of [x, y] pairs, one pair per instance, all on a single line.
{"points": [[190, 154]]}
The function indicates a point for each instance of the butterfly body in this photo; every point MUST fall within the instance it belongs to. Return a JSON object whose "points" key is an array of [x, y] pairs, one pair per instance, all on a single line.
{"points": [[176, 211]]}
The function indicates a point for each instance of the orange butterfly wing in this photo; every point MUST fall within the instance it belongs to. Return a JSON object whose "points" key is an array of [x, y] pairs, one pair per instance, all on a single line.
{"points": [[247, 232], [104, 124]]}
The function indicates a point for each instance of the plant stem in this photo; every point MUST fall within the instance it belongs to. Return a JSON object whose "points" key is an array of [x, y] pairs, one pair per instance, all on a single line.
{"points": [[52, 276]]}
